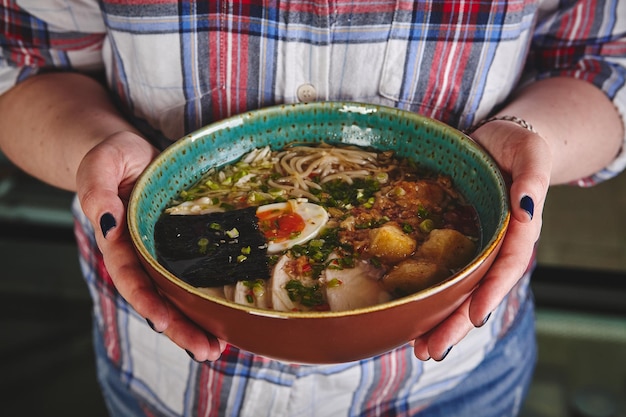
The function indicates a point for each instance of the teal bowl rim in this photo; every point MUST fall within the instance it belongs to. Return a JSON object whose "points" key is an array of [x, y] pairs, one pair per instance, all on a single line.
{"points": [[491, 245]]}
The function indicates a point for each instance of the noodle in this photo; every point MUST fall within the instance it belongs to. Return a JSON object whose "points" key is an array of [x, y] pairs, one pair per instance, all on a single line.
{"points": [[300, 169], [299, 164]]}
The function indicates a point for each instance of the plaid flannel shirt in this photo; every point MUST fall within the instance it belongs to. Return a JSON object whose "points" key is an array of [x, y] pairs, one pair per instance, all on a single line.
{"points": [[174, 66]]}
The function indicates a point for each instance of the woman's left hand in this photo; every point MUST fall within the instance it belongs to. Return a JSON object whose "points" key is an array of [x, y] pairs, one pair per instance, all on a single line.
{"points": [[525, 158]]}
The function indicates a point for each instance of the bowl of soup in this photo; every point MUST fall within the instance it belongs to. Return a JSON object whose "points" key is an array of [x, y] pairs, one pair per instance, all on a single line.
{"points": [[322, 232]]}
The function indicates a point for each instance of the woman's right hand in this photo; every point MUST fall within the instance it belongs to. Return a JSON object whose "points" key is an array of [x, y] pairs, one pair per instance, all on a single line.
{"points": [[104, 181]]}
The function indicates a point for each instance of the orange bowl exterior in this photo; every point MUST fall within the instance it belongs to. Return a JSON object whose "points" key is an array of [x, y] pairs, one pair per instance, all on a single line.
{"points": [[321, 338]]}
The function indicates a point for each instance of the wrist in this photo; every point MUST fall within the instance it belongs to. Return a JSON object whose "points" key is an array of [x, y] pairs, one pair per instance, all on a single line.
{"points": [[510, 140], [505, 118]]}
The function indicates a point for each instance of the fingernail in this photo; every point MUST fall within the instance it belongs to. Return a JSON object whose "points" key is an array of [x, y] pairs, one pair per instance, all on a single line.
{"points": [[485, 320], [152, 325], [527, 204], [444, 354], [107, 222], [191, 355]]}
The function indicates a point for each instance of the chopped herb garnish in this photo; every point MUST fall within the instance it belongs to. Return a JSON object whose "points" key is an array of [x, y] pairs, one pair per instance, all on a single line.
{"points": [[233, 233], [333, 283], [203, 243], [376, 262], [318, 250], [427, 226], [422, 212], [307, 296], [340, 194]]}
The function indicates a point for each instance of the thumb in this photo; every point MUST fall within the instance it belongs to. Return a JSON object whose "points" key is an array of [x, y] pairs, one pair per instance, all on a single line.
{"points": [[105, 179], [97, 188], [530, 174], [530, 177]]}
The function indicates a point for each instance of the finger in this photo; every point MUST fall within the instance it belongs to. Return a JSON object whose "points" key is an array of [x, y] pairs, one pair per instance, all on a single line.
{"points": [[131, 281], [510, 265], [420, 348], [438, 342], [200, 346], [107, 212], [138, 290]]}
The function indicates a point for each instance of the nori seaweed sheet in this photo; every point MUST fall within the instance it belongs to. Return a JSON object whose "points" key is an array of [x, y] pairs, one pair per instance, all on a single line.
{"points": [[220, 259]]}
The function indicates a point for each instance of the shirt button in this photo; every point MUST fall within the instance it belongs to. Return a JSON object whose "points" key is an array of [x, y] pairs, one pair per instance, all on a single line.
{"points": [[306, 93]]}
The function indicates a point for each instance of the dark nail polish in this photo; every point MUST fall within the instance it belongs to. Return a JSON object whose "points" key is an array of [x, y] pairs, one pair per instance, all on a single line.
{"points": [[445, 354], [152, 325], [107, 222], [485, 320], [191, 355], [528, 205]]}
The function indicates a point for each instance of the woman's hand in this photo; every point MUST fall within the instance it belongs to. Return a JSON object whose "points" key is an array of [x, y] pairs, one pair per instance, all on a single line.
{"points": [[104, 181], [580, 133], [526, 159]]}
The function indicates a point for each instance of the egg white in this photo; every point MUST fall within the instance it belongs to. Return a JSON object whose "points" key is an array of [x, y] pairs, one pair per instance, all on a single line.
{"points": [[314, 216]]}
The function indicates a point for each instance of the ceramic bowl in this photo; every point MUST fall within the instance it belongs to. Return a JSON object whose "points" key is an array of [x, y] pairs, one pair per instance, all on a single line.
{"points": [[322, 337]]}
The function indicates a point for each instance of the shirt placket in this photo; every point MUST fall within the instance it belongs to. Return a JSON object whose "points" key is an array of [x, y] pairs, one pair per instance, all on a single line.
{"points": [[316, 82]]}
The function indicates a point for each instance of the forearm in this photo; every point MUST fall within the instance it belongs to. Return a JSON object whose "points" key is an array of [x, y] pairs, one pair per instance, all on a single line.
{"points": [[583, 129], [49, 122]]}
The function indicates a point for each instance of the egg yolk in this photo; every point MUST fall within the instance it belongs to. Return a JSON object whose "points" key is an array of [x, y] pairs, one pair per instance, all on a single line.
{"points": [[279, 225]]}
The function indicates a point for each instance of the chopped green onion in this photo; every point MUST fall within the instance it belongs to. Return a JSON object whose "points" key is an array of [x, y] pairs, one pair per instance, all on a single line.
{"points": [[316, 243], [307, 296], [427, 226], [203, 243], [276, 192], [382, 177], [333, 283], [233, 233], [212, 185], [422, 212], [399, 191]]}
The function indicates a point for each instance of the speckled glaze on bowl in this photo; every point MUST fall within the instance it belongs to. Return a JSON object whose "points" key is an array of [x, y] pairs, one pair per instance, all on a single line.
{"points": [[322, 337]]}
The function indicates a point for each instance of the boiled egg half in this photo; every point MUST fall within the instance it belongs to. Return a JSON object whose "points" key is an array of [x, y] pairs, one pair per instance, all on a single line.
{"points": [[290, 223]]}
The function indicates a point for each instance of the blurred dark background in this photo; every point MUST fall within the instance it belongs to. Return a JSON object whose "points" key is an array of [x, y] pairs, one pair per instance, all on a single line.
{"points": [[580, 287]]}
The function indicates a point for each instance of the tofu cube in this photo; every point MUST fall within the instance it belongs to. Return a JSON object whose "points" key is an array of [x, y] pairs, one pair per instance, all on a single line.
{"points": [[390, 244], [447, 247], [413, 275]]}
